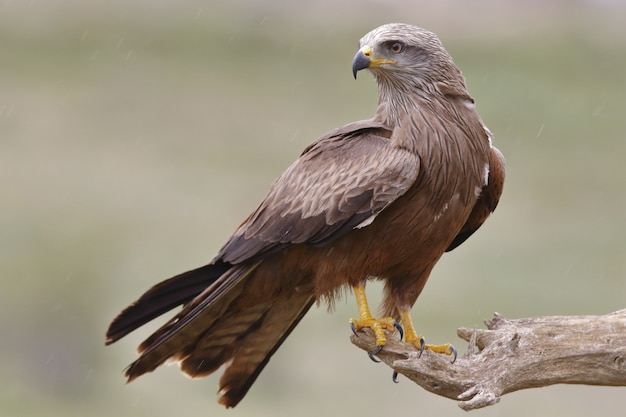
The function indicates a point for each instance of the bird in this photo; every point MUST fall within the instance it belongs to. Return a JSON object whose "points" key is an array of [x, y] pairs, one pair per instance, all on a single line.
{"points": [[377, 199]]}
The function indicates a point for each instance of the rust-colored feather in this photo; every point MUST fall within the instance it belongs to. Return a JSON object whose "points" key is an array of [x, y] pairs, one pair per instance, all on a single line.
{"points": [[383, 197]]}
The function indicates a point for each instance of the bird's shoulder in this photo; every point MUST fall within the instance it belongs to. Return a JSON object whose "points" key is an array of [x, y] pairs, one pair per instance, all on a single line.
{"points": [[339, 182]]}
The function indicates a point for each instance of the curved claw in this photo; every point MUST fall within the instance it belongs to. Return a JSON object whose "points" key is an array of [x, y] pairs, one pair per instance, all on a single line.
{"points": [[353, 329], [454, 353], [399, 328], [375, 352], [422, 346], [394, 377]]}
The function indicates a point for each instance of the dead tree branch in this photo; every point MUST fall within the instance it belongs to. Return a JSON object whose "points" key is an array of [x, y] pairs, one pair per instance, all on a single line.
{"points": [[511, 355]]}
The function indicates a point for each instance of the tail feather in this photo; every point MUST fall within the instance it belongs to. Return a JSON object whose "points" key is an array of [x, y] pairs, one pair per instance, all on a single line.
{"points": [[225, 321], [163, 297], [176, 339], [254, 349], [215, 347]]}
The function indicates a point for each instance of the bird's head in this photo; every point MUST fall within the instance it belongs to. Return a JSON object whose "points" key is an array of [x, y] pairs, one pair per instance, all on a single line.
{"points": [[404, 56]]}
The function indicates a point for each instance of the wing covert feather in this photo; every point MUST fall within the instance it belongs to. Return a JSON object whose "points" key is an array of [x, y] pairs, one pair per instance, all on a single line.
{"points": [[341, 180]]}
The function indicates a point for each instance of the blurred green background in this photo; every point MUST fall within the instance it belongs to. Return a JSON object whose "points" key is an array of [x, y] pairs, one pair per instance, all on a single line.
{"points": [[136, 135]]}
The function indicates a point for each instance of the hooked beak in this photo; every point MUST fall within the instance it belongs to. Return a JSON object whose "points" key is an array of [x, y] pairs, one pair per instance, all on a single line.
{"points": [[364, 59]]}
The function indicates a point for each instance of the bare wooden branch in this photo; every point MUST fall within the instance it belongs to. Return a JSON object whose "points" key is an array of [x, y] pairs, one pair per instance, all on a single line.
{"points": [[511, 355]]}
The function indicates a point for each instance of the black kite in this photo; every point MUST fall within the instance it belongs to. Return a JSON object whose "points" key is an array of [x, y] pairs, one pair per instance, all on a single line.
{"points": [[381, 198]]}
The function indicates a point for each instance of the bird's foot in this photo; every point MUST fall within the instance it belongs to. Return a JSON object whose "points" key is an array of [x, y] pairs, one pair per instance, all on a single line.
{"points": [[418, 341], [378, 326], [445, 348]]}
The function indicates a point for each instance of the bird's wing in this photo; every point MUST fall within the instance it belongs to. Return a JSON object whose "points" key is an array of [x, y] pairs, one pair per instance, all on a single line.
{"points": [[487, 201], [340, 182]]}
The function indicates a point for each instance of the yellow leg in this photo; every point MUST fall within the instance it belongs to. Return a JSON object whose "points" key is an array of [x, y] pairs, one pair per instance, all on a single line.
{"points": [[410, 336], [366, 320]]}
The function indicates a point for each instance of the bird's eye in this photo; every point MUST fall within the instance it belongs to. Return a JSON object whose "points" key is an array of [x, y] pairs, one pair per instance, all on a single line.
{"points": [[396, 47]]}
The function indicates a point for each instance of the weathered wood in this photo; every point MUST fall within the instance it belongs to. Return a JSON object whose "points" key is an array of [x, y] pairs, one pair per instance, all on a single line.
{"points": [[511, 355]]}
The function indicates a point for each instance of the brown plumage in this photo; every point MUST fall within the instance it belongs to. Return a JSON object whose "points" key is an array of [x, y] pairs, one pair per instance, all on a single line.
{"points": [[383, 197]]}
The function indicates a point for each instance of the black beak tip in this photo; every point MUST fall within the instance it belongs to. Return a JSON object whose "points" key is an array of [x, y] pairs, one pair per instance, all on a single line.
{"points": [[359, 62]]}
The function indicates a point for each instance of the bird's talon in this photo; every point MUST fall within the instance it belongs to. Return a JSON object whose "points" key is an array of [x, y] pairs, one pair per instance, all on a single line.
{"points": [[378, 326], [399, 328], [353, 328], [453, 352], [422, 346], [394, 377], [375, 352]]}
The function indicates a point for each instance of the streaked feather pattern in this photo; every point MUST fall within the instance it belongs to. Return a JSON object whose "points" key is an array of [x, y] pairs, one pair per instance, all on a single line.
{"points": [[383, 197]]}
